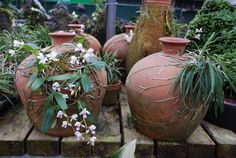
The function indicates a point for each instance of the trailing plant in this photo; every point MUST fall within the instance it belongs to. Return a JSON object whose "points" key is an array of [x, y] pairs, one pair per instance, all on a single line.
{"points": [[66, 80], [201, 81], [112, 68]]}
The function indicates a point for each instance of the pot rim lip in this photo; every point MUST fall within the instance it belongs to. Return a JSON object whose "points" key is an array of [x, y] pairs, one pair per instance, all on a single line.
{"points": [[62, 33], [74, 25], [114, 87], [174, 40], [129, 26], [168, 2]]}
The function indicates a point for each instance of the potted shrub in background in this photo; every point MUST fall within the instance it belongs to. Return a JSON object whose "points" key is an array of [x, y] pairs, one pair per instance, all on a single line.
{"points": [[62, 91], [113, 79], [169, 92]]}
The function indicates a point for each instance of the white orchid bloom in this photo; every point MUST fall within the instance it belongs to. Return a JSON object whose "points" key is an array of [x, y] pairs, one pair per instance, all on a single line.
{"points": [[56, 86], [74, 15], [74, 117], [64, 124], [84, 113], [82, 28], [92, 128], [60, 114], [74, 60], [78, 125], [79, 136], [79, 48], [92, 140], [198, 30], [11, 52], [89, 55], [18, 44], [42, 58], [53, 56]]}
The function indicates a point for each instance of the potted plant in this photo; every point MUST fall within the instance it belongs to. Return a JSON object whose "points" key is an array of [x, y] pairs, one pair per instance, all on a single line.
{"points": [[62, 91], [169, 92], [113, 78]]}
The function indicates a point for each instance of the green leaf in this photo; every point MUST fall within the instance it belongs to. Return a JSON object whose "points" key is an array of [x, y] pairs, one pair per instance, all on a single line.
{"points": [[61, 101], [37, 83], [49, 101], [31, 80], [47, 119], [86, 83], [60, 77], [54, 123], [30, 64], [97, 64], [126, 151]]}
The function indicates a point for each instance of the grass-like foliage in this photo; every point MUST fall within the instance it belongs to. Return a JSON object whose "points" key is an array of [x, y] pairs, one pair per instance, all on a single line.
{"points": [[202, 78]]}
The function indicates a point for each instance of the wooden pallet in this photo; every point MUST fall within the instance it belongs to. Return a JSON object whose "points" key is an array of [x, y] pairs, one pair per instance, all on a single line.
{"points": [[115, 128]]}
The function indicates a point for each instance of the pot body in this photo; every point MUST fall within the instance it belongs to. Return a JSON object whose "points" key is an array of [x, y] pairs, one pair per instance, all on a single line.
{"points": [[112, 93], [34, 101], [158, 112]]}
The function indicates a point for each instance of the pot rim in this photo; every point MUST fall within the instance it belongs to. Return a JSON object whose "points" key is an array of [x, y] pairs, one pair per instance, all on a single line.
{"points": [[167, 2], [62, 33], [114, 87], [74, 25], [174, 40]]}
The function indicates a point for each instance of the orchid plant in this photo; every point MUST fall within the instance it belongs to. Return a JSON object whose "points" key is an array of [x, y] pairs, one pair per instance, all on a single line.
{"points": [[66, 80]]}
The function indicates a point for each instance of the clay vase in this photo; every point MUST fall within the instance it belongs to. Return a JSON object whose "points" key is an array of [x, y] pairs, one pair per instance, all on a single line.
{"points": [[92, 41], [112, 94], [158, 112], [34, 101]]}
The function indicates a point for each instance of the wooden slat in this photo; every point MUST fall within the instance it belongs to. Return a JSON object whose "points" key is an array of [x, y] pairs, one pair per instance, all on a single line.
{"points": [[225, 140], [14, 127], [145, 145], [200, 144], [39, 144], [108, 132]]}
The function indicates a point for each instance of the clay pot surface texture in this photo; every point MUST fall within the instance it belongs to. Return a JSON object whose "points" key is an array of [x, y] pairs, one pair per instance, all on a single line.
{"points": [[34, 101], [157, 111], [112, 93], [92, 41]]}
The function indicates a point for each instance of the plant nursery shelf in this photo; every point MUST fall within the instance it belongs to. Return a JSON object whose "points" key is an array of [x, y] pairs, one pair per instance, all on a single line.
{"points": [[115, 127]]}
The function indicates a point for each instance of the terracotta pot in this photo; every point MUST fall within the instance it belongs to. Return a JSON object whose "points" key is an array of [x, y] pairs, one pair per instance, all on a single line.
{"points": [[165, 2], [112, 93], [118, 44], [92, 41], [158, 113], [34, 101]]}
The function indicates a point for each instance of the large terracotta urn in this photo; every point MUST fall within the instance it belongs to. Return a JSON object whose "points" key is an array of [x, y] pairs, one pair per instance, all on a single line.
{"points": [[92, 41], [159, 113], [34, 101]]}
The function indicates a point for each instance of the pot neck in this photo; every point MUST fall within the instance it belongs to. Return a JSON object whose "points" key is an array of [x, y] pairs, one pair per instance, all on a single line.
{"points": [[128, 28], [58, 38]]}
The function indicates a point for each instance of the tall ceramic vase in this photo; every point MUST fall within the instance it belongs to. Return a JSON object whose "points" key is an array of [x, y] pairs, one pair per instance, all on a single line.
{"points": [[154, 22], [158, 112], [34, 101]]}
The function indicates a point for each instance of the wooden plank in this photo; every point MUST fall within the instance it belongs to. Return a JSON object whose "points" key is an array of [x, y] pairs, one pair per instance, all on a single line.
{"points": [[200, 144], [108, 132], [145, 145], [225, 140], [14, 127], [39, 144]]}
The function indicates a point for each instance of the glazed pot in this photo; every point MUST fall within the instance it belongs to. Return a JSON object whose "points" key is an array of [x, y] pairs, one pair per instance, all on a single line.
{"points": [[92, 41], [34, 101], [157, 111], [112, 94], [118, 44], [165, 2]]}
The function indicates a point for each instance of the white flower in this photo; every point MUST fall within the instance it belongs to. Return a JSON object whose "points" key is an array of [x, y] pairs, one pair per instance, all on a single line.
{"points": [[71, 86], [197, 36], [64, 124], [92, 128], [18, 44], [42, 58], [84, 112], [74, 60], [128, 37], [65, 96], [82, 28], [60, 114], [89, 55], [52, 56], [198, 30], [56, 86], [79, 48], [92, 140], [74, 15], [79, 136], [74, 117], [12, 52], [78, 125]]}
